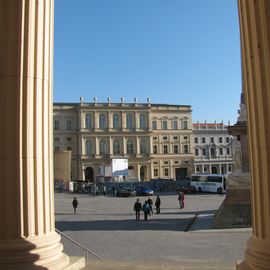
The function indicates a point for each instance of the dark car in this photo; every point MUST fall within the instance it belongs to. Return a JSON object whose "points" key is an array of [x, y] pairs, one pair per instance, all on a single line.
{"points": [[143, 191], [125, 192], [188, 189]]}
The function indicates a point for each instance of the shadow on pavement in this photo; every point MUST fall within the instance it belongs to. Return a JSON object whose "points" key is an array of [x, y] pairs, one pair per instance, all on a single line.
{"points": [[125, 225]]}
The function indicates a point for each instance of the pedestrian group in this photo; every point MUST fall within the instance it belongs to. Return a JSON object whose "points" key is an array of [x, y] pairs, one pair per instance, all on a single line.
{"points": [[146, 208]]}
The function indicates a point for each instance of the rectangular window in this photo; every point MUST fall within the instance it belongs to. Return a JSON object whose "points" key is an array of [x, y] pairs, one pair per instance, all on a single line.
{"points": [[154, 124], [203, 140], [165, 149], [227, 139], [166, 162], [204, 152], [184, 124], [165, 138], [56, 124], [155, 162], [174, 124], [212, 139], [154, 138], [69, 148], [221, 151], [176, 162], [56, 139], [220, 139], [155, 149], [69, 124], [175, 149], [69, 139], [196, 151], [185, 137], [186, 148], [164, 125], [166, 171], [175, 138], [196, 140], [156, 172], [228, 151]]}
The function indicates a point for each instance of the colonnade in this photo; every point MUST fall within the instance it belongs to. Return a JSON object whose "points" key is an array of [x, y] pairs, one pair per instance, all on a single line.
{"points": [[27, 234]]}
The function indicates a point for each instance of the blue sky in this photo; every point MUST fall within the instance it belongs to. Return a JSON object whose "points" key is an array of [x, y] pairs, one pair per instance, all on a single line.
{"points": [[173, 51]]}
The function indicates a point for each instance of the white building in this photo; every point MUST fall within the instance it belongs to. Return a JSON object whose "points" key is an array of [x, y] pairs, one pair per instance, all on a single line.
{"points": [[212, 148]]}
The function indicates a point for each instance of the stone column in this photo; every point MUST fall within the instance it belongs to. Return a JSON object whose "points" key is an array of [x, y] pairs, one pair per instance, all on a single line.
{"points": [[255, 42], [27, 228]]}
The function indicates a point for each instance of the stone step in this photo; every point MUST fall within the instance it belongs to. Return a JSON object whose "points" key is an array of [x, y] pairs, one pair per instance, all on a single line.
{"points": [[175, 265], [76, 263]]}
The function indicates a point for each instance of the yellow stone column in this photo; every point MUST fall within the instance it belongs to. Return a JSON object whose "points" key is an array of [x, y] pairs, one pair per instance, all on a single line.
{"points": [[255, 42], [27, 233]]}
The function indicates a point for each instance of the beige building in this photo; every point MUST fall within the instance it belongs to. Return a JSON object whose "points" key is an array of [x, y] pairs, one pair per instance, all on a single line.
{"points": [[212, 148], [156, 139]]}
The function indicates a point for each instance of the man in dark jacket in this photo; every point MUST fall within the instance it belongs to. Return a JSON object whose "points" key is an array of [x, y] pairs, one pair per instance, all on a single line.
{"points": [[137, 209], [75, 204]]}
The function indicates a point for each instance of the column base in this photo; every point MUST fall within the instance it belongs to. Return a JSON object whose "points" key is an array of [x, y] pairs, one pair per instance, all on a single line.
{"points": [[39, 252], [257, 255]]}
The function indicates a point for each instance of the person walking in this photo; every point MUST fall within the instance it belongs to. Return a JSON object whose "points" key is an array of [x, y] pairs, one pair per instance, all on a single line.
{"points": [[157, 204], [137, 209], [146, 210], [75, 204], [220, 191], [181, 199], [150, 202]]}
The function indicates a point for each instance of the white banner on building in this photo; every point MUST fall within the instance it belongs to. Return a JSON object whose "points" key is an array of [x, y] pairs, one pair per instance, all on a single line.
{"points": [[119, 167]]}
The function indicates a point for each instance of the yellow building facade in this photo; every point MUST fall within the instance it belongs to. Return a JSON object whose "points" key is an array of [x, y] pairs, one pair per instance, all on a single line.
{"points": [[156, 139]]}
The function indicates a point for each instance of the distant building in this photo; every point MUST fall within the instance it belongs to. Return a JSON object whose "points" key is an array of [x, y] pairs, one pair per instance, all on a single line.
{"points": [[156, 139], [212, 148]]}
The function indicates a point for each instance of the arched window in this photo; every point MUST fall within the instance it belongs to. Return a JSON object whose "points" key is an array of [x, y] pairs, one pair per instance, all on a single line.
{"points": [[142, 121], [116, 147], [143, 146], [102, 121], [130, 146], [115, 120], [88, 121], [129, 120], [88, 148], [103, 149]]}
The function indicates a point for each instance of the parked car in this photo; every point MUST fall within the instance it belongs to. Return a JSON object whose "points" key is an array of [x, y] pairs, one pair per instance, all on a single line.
{"points": [[188, 189], [125, 192], [143, 191]]}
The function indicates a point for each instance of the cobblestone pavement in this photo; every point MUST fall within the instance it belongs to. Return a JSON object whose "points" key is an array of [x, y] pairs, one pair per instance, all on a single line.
{"points": [[106, 225]]}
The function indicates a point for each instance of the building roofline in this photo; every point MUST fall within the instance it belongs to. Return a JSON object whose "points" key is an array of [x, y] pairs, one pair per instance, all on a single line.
{"points": [[118, 103]]}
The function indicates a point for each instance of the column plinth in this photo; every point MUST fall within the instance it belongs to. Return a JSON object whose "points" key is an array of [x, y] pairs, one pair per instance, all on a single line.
{"points": [[33, 252], [257, 255]]}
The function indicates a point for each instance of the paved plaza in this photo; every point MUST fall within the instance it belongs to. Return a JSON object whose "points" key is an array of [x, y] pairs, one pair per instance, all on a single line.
{"points": [[106, 225]]}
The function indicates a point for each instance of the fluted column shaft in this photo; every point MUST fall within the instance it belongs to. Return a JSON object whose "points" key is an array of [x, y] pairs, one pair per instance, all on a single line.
{"points": [[255, 41], [27, 233]]}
